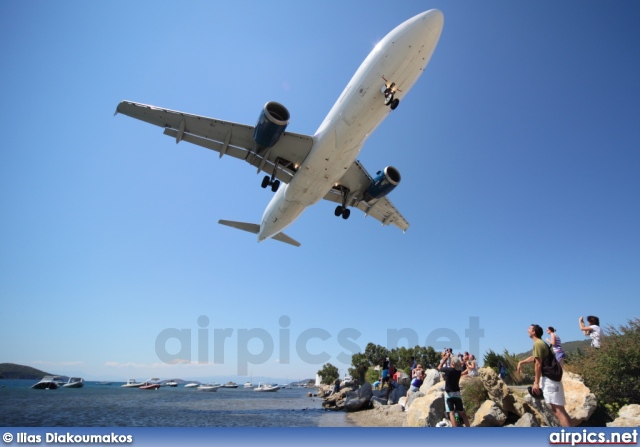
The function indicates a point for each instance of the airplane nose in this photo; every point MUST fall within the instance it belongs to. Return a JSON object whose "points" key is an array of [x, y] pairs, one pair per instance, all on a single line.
{"points": [[434, 20]]}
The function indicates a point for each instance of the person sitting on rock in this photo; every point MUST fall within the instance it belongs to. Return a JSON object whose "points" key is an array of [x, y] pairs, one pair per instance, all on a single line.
{"points": [[416, 382]]}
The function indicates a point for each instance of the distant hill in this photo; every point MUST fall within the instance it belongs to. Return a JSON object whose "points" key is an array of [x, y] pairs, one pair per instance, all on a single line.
{"points": [[13, 371], [569, 347]]}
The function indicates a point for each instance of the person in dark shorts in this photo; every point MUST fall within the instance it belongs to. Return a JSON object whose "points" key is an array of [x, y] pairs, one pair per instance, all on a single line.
{"points": [[452, 397]]}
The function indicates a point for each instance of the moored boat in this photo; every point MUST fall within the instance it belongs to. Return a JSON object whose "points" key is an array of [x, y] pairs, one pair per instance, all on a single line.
{"points": [[49, 383], [265, 387], [208, 387], [230, 385], [151, 384], [74, 382], [131, 383]]}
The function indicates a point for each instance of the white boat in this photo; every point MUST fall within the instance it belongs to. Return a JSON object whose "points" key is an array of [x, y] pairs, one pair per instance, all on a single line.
{"points": [[172, 383], [266, 387], [131, 383], [191, 385], [49, 383], [230, 385], [248, 385], [208, 387], [74, 382]]}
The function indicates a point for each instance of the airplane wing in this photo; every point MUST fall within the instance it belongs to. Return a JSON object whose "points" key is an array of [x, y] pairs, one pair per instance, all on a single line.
{"points": [[357, 180], [226, 138]]}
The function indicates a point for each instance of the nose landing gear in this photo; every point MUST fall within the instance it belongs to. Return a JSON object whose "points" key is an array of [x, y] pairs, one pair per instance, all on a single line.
{"points": [[389, 90]]}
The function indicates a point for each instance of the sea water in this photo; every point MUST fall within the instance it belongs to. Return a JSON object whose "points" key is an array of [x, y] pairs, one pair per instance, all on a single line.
{"points": [[96, 405]]}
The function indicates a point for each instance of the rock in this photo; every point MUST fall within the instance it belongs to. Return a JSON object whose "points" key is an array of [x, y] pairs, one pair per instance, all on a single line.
{"points": [[395, 394], [378, 402], [628, 416], [527, 420], [413, 396], [542, 412], [499, 392], [359, 399], [489, 415], [432, 376], [581, 403], [427, 411]]}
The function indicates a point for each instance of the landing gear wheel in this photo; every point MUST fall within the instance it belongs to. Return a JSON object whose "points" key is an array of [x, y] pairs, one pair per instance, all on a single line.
{"points": [[275, 185], [394, 104], [346, 213], [265, 181], [339, 210]]}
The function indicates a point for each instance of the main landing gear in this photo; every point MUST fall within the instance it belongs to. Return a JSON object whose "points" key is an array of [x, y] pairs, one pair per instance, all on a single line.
{"points": [[342, 210], [268, 181], [271, 180], [389, 91]]}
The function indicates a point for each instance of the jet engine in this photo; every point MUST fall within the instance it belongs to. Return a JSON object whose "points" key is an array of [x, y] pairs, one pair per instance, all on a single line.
{"points": [[382, 184], [271, 124]]}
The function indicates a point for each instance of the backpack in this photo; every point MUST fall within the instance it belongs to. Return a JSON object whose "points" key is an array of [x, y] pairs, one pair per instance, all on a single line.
{"points": [[550, 366]]}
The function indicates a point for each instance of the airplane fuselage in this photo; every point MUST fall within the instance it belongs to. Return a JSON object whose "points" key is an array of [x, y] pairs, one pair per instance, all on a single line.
{"points": [[398, 59]]}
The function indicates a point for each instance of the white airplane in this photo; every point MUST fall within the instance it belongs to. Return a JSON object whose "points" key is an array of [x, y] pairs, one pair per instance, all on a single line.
{"points": [[323, 165]]}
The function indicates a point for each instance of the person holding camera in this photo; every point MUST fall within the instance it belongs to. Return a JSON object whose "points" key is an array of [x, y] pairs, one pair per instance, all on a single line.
{"points": [[452, 396]]}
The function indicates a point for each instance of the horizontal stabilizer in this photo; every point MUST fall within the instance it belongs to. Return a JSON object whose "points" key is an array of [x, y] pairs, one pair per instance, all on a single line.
{"points": [[255, 229], [286, 239], [244, 226]]}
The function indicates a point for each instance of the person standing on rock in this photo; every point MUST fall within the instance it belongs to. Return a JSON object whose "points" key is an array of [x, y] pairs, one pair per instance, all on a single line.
{"points": [[593, 330], [385, 373], [556, 344], [452, 396], [552, 391]]}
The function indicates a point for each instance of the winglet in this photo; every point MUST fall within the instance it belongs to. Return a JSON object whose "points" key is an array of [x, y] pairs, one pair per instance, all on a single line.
{"points": [[255, 229]]}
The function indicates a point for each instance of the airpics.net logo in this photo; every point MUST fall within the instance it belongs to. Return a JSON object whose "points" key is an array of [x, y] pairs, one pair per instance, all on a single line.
{"points": [[258, 346]]}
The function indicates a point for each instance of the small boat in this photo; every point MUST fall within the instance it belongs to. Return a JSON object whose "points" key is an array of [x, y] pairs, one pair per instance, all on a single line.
{"points": [[248, 385], [171, 383], [208, 387], [191, 385], [104, 383], [151, 384], [74, 382], [131, 383], [266, 387], [230, 385], [49, 383]]}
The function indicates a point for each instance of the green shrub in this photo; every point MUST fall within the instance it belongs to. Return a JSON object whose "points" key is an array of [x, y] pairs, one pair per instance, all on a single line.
{"points": [[473, 395], [612, 372], [329, 373]]}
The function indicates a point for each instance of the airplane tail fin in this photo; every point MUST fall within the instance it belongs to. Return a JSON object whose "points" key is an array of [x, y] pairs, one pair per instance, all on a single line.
{"points": [[255, 229]]}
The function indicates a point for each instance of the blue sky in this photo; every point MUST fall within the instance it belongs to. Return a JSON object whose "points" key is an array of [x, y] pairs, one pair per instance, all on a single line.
{"points": [[518, 149]]}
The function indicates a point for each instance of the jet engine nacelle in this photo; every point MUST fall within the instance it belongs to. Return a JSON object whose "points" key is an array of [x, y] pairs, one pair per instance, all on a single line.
{"points": [[382, 184], [271, 124]]}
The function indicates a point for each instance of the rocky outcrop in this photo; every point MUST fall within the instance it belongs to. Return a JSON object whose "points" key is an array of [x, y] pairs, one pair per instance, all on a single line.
{"points": [[432, 376], [359, 399], [489, 415], [528, 420], [427, 411], [499, 392], [628, 416], [581, 403]]}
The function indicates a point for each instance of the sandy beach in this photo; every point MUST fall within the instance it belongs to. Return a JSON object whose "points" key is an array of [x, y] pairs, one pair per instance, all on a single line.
{"points": [[386, 417]]}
